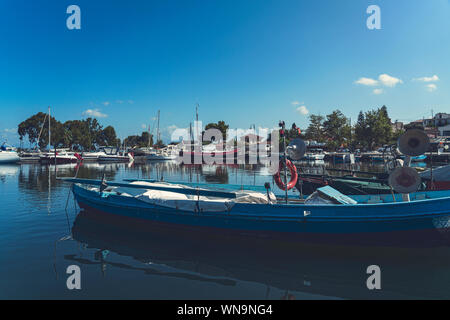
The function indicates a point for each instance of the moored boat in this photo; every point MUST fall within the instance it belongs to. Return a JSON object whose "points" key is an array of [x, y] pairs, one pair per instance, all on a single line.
{"points": [[112, 154], [92, 156], [8, 154], [61, 156], [438, 178], [424, 220], [314, 155]]}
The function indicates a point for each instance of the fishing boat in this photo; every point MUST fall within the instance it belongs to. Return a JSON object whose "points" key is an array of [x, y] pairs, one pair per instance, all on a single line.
{"points": [[8, 154], [349, 185], [325, 219], [420, 158], [437, 178]]}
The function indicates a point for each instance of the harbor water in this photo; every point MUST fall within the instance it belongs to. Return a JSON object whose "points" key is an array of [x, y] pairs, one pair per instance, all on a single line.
{"points": [[42, 233]]}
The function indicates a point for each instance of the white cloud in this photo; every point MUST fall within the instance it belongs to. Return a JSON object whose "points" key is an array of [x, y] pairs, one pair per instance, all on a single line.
{"points": [[171, 133], [366, 82], [302, 110], [388, 80], [130, 101], [296, 103], [143, 126], [171, 128], [119, 101], [94, 113], [106, 103], [378, 91], [11, 130], [434, 78], [431, 87]]}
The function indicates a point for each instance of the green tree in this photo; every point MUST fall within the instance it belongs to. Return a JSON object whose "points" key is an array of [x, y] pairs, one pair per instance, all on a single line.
{"points": [[315, 128], [221, 125], [135, 141], [108, 137], [374, 128], [361, 130], [38, 124], [337, 129], [77, 134]]}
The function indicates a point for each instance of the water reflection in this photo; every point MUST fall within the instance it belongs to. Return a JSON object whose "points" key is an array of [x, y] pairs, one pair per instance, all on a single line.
{"points": [[8, 171], [218, 268], [326, 271]]}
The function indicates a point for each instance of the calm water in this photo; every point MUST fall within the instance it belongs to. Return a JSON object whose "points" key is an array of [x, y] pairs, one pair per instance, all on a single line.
{"points": [[39, 239]]}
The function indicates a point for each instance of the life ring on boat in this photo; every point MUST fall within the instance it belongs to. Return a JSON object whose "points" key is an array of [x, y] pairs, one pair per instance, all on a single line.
{"points": [[294, 176]]}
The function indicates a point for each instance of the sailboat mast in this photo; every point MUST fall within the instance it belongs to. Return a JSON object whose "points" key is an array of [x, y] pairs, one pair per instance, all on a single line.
{"points": [[158, 134], [149, 136], [196, 119], [49, 131]]}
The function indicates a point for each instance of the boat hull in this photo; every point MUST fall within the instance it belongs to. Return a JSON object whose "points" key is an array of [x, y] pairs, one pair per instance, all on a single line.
{"points": [[9, 157], [59, 160], [324, 224], [113, 159]]}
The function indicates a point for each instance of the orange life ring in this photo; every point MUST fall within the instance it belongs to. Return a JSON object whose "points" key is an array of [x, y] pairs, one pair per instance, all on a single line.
{"points": [[294, 176]]}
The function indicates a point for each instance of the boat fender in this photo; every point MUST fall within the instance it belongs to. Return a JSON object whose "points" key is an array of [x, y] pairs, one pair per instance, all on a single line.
{"points": [[294, 176]]}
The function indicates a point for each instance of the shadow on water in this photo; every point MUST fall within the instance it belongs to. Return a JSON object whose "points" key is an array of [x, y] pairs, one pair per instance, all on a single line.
{"points": [[325, 271]]}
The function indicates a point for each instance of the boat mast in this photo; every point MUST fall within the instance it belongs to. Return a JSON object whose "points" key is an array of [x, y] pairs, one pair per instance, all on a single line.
{"points": [[196, 119], [157, 132], [49, 131], [149, 137]]}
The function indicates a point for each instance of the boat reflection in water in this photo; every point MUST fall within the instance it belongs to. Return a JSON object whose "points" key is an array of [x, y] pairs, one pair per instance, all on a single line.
{"points": [[292, 271]]}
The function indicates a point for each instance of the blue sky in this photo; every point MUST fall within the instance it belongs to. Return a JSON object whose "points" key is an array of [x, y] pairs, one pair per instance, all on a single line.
{"points": [[245, 62]]}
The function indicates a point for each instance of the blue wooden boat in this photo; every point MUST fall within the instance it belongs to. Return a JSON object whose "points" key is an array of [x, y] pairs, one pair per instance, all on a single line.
{"points": [[420, 158], [353, 220]]}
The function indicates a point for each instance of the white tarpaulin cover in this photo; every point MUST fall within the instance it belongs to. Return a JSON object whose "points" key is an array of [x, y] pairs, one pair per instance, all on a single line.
{"points": [[195, 203]]}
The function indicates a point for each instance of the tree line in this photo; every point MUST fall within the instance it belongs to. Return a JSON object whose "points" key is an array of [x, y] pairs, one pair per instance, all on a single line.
{"points": [[372, 129], [84, 135]]}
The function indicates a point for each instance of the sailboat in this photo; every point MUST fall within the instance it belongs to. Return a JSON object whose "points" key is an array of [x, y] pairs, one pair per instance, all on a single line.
{"points": [[56, 156]]}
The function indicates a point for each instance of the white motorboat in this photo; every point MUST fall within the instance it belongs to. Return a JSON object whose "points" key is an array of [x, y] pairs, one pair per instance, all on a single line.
{"points": [[8, 154], [92, 156], [61, 156], [112, 154]]}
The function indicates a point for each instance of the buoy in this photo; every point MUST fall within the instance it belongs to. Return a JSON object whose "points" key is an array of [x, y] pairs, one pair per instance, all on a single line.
{"points": [[294, 176]]}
